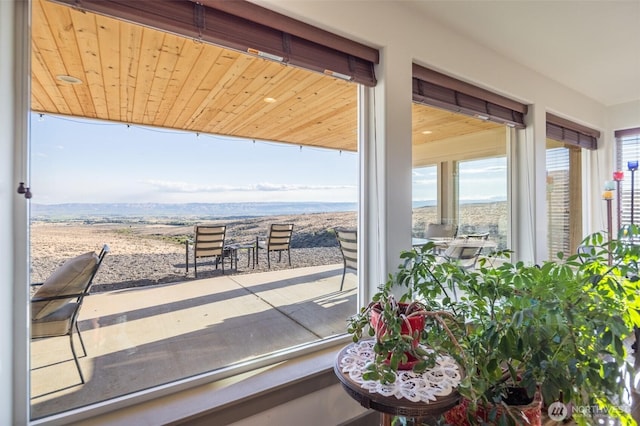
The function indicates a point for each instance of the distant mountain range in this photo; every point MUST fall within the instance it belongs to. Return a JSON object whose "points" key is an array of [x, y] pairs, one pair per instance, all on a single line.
{"points": [[84, 210], [195, 210]]}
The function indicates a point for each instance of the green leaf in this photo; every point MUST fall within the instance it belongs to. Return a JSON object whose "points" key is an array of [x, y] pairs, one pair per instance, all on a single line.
{"points": [[607, 337], [619, 346], [389, 377]]}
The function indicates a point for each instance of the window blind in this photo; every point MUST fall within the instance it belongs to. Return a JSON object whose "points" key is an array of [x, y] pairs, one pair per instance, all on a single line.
{"points": [[571, 133], [558, 201], [628, 149], [246, 27], [439, 90]]}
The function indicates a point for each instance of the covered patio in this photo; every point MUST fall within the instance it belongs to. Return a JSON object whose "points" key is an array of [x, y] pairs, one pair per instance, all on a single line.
{"points": [[140, 338]]}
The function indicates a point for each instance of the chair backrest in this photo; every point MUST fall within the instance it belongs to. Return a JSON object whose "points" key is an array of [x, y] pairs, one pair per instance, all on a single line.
{"points": [[70, 281], [279, 236], [441, 230], [463, 251], [348, 239], [482, 236], [209, 240]]}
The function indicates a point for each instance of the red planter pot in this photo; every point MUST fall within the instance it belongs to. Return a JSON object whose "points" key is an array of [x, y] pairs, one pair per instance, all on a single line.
{"points": [[416, 323], [458, 414]]}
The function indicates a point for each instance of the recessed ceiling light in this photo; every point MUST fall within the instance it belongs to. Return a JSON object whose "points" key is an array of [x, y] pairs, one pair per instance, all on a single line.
{"points": [[69, 79], [426, 132], [269, 100]]}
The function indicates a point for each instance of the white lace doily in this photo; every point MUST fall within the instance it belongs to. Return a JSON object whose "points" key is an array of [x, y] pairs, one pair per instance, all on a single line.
{"points": [[440, 380]]}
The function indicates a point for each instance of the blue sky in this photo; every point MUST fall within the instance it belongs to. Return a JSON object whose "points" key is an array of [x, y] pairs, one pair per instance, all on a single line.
{"points": [[75, 160], [479, 180], [84, 161]]}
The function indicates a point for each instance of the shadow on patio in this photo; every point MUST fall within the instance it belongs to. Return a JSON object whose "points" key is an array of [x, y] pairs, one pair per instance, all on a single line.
{"points": [[143, 337]]}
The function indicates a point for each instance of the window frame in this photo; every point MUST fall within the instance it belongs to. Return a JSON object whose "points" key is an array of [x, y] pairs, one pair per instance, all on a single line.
{"points": [[228, 375]]}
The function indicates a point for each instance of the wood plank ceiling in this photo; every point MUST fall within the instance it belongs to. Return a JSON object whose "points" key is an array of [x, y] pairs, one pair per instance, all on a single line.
{"points": [[136, 75]]}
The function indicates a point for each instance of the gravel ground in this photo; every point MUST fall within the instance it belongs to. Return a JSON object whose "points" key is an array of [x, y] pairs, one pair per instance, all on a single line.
{"points": [[154, 252], [146, 251]]}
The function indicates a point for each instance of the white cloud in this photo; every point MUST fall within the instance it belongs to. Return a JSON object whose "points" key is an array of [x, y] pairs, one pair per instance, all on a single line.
{"points": [[483, 170], [185, 187]]}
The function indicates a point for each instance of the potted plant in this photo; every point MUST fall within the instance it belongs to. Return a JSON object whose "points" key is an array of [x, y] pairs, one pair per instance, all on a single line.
{"points": [[555, 330], [398, 327]]}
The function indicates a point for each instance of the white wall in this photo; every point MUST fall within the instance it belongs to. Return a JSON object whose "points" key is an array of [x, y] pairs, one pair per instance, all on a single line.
{"points": [[391, 24], [624, 116], [329, 406], [409, 37]]}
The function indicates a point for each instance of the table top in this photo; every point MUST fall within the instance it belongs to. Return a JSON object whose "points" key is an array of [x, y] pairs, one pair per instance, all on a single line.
{"points": [[427, 394], [437, 241], [241, 246]]}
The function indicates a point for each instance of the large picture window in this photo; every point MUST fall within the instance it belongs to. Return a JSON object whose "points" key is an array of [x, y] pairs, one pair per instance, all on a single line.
{"points": [[425, 199], [628, 157], [483, 198], [558, 199], [147, 133]]}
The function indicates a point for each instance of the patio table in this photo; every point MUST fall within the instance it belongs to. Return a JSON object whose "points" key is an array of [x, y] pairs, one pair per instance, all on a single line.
{"points": [[251, 253], [420, 397]]}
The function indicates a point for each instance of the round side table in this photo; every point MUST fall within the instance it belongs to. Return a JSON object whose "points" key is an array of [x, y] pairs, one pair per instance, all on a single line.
{"points": [[421, 398]]}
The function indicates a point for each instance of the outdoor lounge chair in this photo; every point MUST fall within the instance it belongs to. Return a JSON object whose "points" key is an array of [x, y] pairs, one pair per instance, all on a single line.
{"points": [[208, 242], [438, 233], [348, 240], [278, 240], [56, 303], [464, 251], [441, 230]]}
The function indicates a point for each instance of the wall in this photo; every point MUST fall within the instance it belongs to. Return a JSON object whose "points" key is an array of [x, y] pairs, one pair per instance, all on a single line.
{"points": [[624, 116], [437, 47], [330, 406]]}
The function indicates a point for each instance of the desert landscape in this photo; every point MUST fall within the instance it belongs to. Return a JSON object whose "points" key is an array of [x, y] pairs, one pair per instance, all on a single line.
{"points": [[148, 251], [152, 251]]}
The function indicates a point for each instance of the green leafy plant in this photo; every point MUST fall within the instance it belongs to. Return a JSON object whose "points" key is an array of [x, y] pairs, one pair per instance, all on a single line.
{"points": [[389, 321], [558, 328]]}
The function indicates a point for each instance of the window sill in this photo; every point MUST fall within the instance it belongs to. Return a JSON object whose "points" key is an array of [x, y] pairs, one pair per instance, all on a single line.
{"points": [[228, 400]]}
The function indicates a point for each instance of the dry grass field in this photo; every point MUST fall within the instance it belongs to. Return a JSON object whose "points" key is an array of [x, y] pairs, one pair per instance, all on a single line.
{"points": [[152, 251]]}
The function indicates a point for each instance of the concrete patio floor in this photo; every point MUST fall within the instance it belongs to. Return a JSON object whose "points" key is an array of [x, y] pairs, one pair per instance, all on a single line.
{"points": [[138, 338]]}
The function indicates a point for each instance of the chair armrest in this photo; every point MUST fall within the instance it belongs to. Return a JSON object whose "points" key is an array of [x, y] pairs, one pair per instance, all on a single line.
{"points": [[58, 297]]}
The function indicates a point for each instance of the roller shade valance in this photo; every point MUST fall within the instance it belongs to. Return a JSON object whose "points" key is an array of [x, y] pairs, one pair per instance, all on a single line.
{"points": [[439, 90], [561, 129], [627, 132], [226, 24]]}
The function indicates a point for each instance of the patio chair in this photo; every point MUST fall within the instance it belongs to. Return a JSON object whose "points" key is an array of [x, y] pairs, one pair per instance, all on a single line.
{"points": [[463, 251], [438, 233], [208, 242], [278, 240], [56, 303], [441, 230], [481, 236], [348, 240]]}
